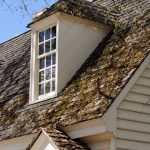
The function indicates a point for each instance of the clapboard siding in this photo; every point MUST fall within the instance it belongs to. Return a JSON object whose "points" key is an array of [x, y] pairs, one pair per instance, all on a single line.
{"points": [[132, 145], [143, 81], [146, 73], [136, 97], [141, 89], [133, 116]]}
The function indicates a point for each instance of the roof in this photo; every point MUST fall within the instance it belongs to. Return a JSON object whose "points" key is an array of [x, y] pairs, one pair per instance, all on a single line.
{"points": [[61, 140], [80, 8], [89, 93]]}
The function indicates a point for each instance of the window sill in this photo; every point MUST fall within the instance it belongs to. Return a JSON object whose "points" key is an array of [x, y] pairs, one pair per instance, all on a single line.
{"points": [[44, 97]]}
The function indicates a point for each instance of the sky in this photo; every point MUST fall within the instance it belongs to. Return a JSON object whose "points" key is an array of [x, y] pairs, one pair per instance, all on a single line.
{"points": [[13, 20]]}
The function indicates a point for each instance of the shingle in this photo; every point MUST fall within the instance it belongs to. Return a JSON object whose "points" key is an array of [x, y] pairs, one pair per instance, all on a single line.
{"points": [[87, 96], [61, 140]]}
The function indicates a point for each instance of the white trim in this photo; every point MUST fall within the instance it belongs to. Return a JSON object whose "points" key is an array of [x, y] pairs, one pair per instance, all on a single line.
{"points": [[86, 128], [42, 141], [110, 117], [87, 132], [35, 57]]}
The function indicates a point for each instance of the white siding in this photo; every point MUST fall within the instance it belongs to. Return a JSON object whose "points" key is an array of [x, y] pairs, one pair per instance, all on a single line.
{"points": [[77, 40], [133, 116]]}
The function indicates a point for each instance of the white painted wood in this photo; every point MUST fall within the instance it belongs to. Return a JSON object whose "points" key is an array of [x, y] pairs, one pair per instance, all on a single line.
{"points": [[132, 145], [87, 131], [148, 66], [133, 116], [20, 143], [133, 125], [136, 97], [44, 142], [132, 135], [136, 107], [111, 125], [141, 89], [146, 73], [87, 128], [78, 38], [143, 81]]}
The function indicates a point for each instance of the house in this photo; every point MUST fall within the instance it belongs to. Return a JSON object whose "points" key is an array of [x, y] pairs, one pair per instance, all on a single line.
{"points": [[80, 79]]}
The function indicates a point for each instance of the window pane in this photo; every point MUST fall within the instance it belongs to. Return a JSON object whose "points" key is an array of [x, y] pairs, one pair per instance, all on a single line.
{"points": [[47, 87], [41, 89], [42, 63], [53, 59], [48, 61], [41, 36], [48, 74], [53, 45], [53, 72], [53, 85], [47, 46], [47, 34], [41, 49], [41, 76], [53, 31]]}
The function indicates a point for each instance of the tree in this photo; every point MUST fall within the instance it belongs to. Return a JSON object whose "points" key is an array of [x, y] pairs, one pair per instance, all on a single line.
{"points": [[25, 7]]}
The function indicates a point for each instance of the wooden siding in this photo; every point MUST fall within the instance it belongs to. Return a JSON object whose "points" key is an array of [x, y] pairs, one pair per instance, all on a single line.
{"points": [[133, 116]]}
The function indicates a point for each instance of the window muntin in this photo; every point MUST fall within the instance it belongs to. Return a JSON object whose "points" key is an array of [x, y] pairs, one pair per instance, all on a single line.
{"points": [[47, 61]]}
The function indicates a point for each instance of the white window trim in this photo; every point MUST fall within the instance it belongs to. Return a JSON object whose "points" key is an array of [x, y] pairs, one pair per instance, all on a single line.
{"points": [[34, 65]]}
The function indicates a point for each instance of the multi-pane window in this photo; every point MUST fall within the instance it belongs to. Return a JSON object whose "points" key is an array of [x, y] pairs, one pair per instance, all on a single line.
{"points": [[47, 60]]}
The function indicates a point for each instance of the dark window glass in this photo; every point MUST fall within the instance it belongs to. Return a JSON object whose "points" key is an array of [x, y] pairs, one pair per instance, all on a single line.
{"points": [[41, 89], [48, 61], [47, 34], [53, 72], [42, 63], [53, 45], [41, 76], [41, 49], [47, 46], [41, 36], [47, 87], [53, 31], [53, 59], [53, 85], [48, 74]]}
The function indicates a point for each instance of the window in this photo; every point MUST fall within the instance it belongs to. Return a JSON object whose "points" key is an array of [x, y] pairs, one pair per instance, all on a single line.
{"points": [[47, 62]]}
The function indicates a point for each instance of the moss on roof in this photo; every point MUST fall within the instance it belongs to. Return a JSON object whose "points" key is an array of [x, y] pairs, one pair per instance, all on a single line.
{"points": [[87, 96], [80, 8], [61, 140]]}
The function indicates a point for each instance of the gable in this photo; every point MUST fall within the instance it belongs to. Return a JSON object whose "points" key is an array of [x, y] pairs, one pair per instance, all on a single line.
{"points": [[54, 139], [133, 115]]}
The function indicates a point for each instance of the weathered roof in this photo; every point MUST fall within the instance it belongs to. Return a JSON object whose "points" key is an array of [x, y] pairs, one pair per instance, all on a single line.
{"points": [[61, 140], [80, 8], [88, 95]]}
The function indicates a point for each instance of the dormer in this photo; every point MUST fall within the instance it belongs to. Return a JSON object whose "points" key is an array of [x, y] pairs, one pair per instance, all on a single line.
{"points": [[61, 43]]}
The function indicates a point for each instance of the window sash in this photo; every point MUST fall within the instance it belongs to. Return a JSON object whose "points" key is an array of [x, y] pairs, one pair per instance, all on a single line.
{"points": [[45, 54]]}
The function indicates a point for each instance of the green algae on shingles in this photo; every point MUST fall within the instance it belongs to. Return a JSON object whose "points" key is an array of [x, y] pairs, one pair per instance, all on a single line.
{"points": [[79, 102]]}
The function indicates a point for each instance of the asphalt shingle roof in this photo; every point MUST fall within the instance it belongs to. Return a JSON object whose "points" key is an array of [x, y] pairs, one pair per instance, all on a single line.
{"points": [[61, 140], [89, 93]]}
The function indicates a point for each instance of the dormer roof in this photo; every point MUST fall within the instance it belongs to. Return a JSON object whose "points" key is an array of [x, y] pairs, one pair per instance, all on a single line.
{"points": [[80, 8], [59, 139]]}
